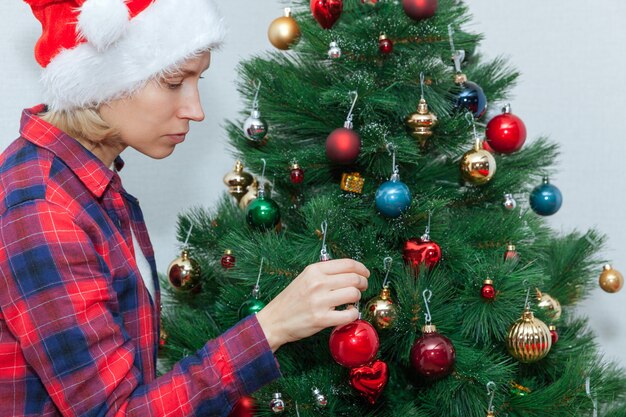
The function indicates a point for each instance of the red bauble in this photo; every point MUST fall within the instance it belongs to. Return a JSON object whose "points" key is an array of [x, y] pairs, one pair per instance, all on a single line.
{"points": [[511, 254], [245, 407], [343, 146], [354, 344], [506, 133], [554, 335], [419, 9], [370, 380], [326, 12], [487, 147], [433, 355], [488, 292], [385, 45], [228, 260], [297, 174], [421, 251]]}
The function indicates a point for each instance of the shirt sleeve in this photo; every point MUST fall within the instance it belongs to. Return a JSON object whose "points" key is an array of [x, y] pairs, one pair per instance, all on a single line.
{"points": [[58, 301]]}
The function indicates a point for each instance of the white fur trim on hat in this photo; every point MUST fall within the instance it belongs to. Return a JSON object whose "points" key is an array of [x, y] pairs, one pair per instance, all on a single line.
{"points": [[158, 39], [102, 22]]}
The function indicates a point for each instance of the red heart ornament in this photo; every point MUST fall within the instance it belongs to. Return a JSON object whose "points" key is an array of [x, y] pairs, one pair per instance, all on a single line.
{"points": [[370, 380], [326, 12]]}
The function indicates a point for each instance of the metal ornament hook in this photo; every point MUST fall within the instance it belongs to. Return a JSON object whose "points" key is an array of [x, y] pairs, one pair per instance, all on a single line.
{"points": [[491, 391], [427, 295], [255, 102], [387, 263], [188, 236], [527, 302], [262, 182], [593, 400], [257, 288], [324, 255], [422, 83], [457, 56], [355, 96]]}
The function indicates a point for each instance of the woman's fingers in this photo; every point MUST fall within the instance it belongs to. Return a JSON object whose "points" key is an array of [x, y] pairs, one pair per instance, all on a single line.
{"points": [[341, 296], [342, 266], [338, 281]]}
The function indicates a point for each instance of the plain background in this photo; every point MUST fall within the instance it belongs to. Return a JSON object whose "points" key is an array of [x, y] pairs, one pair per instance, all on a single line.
{"points": [[572, 62]]}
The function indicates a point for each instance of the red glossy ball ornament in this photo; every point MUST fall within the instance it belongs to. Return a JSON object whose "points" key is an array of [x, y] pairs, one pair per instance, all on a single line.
{"points": [[354, 344], [422, 251], [488, 292], [419, 9], [343, 146], [245, 407], [385, 45], [326, 12], [228, 260], [553, 334], [297, 174], [432, 355], [370, 380], [506, 133]]}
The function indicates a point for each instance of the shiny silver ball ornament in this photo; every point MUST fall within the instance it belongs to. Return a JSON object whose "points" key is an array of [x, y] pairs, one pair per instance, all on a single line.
{"points": [[277, 405], [335, 51], [509, 202], [320, 399], [255, 127]]}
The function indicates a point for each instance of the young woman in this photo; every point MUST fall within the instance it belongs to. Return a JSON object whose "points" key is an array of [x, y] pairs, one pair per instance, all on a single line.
{"points": [[79, 298]]}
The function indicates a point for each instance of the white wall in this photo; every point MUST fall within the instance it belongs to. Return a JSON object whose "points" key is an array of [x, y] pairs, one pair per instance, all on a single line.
{"points": [[571, 66]]}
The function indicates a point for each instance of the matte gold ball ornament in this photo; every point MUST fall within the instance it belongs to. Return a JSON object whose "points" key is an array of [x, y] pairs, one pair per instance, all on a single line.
{"points": [[284, 32], [238, 181], [550, 304], [478, 166], [611, 280], [529, 339]]}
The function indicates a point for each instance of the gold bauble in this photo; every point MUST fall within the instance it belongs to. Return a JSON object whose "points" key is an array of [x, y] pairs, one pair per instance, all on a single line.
{"points": [[284, 32], [421, 123], [529, 339], [381, 311], [611, 280], [238, 181], [550, 304], [478, 166], [184, 273]]}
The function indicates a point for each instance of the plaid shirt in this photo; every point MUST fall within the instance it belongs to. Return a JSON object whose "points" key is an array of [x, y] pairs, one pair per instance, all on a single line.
{"points": [[78, 329]]}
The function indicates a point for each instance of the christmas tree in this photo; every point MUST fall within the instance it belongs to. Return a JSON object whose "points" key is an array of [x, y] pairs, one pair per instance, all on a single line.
{"points": [[366, 138]]}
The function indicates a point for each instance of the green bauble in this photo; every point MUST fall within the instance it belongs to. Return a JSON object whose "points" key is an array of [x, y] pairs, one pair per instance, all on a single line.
{"points": [[250, 306], [263, 213]]}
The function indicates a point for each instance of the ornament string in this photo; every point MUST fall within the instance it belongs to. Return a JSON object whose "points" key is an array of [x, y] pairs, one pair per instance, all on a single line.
{"points": [[324, 256], [593, 400], [255, 102], [188, 236], [387, 262], [491, 391], [427, 295], [457, 56], [257, 288], [355, 96]]}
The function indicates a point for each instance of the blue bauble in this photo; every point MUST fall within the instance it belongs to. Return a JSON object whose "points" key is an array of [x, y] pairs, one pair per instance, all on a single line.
{"points": [[546, 199], [472, 98], [393, 198]]}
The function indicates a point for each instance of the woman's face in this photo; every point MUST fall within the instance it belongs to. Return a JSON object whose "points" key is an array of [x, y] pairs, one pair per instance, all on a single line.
{"points": [[156, 118]]}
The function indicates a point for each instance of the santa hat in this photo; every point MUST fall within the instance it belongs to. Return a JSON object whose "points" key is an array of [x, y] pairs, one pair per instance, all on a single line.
{"points": [[93, 51]]}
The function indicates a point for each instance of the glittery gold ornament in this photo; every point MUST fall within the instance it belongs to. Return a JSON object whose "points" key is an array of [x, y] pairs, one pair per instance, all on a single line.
{"points": [[184, 273], [238, 181], [381, 311], [421, 123], [352, 182], [611, 280], [550, 304], [478, 166], [529, 339], [284, 31]]}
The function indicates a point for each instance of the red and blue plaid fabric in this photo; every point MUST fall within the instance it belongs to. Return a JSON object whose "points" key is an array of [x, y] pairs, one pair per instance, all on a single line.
{"points": [[78, 329]]}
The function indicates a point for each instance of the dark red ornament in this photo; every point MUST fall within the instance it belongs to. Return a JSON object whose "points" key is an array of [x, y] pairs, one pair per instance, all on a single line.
{"points": [[370, 380], [422, 251], [506, 133], [297, 174], [511, 254], [433, 355], [245, 407], [385, 45], [326, 12], [419, 9], [228, 260], [488, 292], [343, 146], [554, 334], [354, 344], [487, 147]]}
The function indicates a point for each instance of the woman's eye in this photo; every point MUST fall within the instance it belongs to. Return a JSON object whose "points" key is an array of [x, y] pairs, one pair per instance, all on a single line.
{"points": [[174, 86]]}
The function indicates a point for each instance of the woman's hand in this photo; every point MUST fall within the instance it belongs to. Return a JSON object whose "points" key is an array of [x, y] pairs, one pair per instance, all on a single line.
{"points": [[308, 304]]}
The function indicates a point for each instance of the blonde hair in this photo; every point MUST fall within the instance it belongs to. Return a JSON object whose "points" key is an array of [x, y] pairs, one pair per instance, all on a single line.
{"points": [[83, 124]]}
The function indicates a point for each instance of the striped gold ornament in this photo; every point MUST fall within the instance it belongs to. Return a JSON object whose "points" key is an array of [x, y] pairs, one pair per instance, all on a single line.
{"points": [[529, 339]]}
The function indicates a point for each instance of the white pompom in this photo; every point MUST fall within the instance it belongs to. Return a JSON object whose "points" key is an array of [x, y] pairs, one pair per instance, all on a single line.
{"points": [[102, 22]]}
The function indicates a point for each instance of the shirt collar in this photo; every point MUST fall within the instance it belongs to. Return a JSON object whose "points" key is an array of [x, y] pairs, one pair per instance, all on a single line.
{"points": [[85, 165]]}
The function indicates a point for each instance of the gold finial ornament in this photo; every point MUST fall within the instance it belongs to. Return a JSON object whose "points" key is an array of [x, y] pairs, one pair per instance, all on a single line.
{"points": [[611, 280], [529, 339], [238, 181], [421, 123]]}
